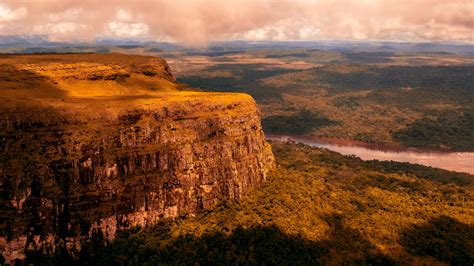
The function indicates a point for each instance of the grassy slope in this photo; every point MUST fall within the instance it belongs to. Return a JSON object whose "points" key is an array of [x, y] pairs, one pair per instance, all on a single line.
{"points": [[319, 207]]}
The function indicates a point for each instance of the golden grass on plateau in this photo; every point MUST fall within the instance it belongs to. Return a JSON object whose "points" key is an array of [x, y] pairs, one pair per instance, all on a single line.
{"points": [[83, 85]]}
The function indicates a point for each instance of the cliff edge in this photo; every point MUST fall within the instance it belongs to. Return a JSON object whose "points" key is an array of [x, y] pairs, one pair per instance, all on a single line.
{"points": [[90, 144]]}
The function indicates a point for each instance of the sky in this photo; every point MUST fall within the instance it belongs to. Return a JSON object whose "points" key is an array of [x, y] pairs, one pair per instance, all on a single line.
{"points": [[197, 22]]}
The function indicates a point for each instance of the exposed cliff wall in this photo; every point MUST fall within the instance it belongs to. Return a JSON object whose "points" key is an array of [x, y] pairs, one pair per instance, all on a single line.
{"points": [[73, 167]]}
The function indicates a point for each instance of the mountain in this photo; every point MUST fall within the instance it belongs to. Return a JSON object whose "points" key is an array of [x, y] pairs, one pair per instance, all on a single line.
{"points": [[25, 44], [92, 144]]}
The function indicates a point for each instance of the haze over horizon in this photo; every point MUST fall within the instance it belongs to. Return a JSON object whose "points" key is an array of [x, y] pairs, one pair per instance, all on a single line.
{"points": [[199, 22]]}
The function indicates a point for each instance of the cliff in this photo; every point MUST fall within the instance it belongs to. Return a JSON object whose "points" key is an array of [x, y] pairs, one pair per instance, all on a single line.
{"points": [[90, 144]]}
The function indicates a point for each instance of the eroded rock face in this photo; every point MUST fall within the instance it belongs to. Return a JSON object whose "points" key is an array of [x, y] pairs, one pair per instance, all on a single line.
{"points": [[74, 168]]}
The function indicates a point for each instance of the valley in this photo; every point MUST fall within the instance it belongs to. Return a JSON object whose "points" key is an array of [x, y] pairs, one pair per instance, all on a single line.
{"points": [[400, 99], [238, 132], [452, 161], [112, 159]]}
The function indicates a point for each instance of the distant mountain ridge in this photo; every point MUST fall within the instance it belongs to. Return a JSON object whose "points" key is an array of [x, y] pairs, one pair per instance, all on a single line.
{"points": [[42, 41]]}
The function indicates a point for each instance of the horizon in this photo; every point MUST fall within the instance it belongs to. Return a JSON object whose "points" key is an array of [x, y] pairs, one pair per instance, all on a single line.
{"points": [[46, 39]]}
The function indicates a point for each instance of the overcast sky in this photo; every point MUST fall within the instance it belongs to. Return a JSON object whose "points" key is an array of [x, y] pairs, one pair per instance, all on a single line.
{"points": [[196, 22]]}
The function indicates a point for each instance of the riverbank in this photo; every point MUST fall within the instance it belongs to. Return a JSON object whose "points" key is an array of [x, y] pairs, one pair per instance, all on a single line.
{"points": [[444, 159]]}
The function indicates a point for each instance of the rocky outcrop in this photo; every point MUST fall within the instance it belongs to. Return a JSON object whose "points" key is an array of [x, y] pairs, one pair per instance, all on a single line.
{"points": [[72, 168]]}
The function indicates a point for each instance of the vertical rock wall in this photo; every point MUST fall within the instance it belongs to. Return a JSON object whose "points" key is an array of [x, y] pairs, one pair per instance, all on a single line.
{"points": [[64, 178]]}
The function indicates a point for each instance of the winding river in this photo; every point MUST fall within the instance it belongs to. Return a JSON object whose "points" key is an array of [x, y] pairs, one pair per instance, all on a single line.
{"points": [[453, 161]]}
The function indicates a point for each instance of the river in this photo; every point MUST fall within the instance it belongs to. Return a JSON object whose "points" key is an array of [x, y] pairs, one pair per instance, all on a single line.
{"points": [[453, 161]]}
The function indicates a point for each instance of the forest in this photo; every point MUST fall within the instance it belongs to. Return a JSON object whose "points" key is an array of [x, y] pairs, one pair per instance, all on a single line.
{"points": [[453, 129], [348, 95], [304, 122], [317, 208]]}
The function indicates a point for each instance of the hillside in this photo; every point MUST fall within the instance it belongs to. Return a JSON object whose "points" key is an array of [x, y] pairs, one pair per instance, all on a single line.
{"points": [[92, 144], [317, 208]]}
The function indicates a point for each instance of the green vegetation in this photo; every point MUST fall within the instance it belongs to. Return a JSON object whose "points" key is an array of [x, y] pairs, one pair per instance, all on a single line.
{"points": [[421, 100], [303, 122], [318, 207], [454, 129], [243, 78], [354, 77]]}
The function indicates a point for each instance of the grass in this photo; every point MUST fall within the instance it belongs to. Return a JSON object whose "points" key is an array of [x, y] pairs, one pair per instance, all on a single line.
{"points": [[88, 86]]}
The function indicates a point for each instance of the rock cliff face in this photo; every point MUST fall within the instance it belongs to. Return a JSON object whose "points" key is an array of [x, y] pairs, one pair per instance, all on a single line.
{"points": [[76, 163]]}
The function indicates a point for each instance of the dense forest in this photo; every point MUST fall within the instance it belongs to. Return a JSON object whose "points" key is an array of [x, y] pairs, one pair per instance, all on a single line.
{"points": [[453, 129], [304, 122], [318, 207], [352, 95], [243, 78]]}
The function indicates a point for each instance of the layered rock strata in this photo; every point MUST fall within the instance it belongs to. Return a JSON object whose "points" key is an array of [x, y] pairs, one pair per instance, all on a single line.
{"points": [[72, 167]]}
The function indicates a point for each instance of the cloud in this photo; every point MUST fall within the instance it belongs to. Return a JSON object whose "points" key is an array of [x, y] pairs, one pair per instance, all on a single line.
{"points": [[6, 14], [197, 22], [121, 29]]}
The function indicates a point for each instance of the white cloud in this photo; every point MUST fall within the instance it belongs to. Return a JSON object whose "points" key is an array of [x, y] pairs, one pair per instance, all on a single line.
{"points": [[122, 29], [200, 21], [71, 14], [58, 28], [6, 14]]}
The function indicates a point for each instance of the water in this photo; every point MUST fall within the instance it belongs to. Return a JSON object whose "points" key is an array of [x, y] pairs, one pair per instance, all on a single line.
{"points": [[453, 161]]}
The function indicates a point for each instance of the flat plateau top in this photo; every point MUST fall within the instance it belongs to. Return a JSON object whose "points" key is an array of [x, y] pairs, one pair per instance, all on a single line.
{"points": [[90, 85]]}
